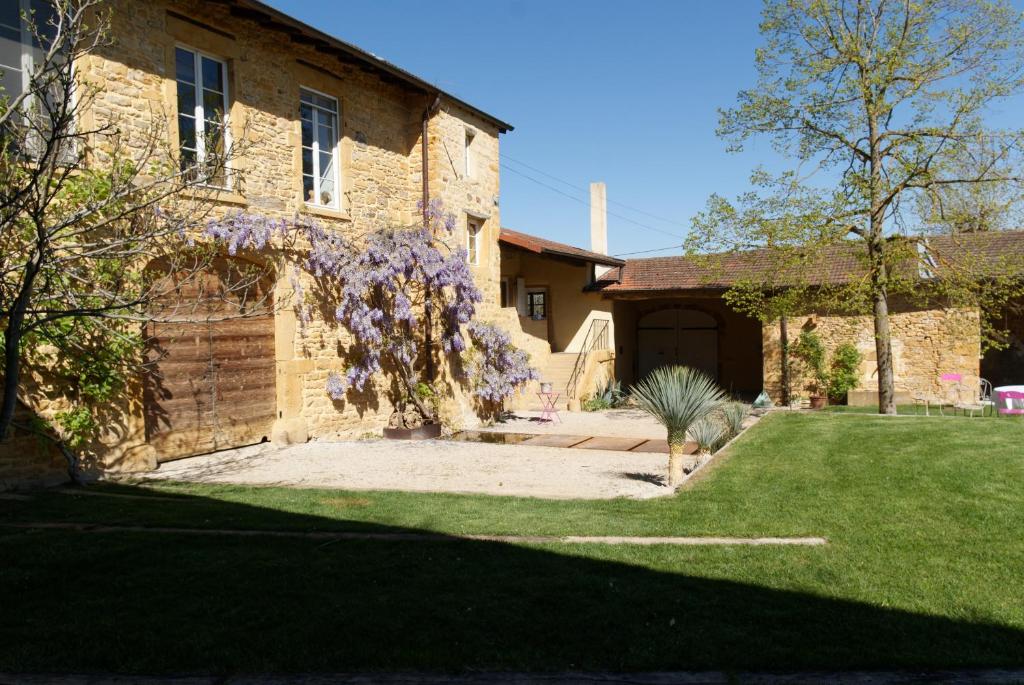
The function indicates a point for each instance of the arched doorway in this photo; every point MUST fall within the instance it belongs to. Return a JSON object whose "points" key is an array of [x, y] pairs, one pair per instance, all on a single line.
{"points": [[684, 337]]}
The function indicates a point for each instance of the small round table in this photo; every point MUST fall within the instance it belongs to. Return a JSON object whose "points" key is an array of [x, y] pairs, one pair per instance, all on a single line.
{"points": [[1010, 404]]}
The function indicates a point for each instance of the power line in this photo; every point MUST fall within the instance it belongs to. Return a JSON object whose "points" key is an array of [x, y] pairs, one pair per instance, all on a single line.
{"points": [[587, 203], [586, 190], [660, 249]]}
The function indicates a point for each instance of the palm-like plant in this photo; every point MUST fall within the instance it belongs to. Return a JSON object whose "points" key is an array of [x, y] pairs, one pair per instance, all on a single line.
{"points": [[678, 397], [708, 433]]}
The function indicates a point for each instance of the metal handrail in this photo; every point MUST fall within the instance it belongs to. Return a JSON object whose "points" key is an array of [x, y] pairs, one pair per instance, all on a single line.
{"points": [[591, 342]]}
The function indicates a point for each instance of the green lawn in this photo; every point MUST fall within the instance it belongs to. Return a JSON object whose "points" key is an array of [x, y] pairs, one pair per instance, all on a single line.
{"points": [[924, 568]]}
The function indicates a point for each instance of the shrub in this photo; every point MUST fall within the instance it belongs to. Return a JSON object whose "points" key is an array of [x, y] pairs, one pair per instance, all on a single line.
{"points": [[608, 396], [734, 414], [709, 433], [844, 374]]}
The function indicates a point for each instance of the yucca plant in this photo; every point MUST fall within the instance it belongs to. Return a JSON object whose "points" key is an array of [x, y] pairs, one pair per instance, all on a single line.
{"points": [[678, 397], [734, 414], [708, 433]]}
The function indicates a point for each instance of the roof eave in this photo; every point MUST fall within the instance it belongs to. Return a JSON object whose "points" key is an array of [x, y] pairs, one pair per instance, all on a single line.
{"points": [[361, 55]]}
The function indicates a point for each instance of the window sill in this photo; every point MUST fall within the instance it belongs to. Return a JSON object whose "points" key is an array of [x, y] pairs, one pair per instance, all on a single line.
{"points": [[326, 212]]}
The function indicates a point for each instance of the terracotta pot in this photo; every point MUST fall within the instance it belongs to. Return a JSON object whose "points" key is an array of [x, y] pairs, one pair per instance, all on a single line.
{"points": [[818, 402], [427, 431]]}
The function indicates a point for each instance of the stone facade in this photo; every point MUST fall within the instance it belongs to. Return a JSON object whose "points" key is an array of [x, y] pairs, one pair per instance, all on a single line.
{"points": [[380, 171], [926, 343]]}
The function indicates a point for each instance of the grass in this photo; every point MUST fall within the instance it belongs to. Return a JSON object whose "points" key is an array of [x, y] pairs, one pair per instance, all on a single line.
{"points": [[923, 569]]}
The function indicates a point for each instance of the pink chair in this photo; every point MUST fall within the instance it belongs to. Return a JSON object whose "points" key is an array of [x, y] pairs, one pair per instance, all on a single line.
{"points": [[1005, 404]]}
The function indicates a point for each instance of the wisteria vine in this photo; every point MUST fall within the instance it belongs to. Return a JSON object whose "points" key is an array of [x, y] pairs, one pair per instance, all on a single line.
{"points": [[382, 286]]}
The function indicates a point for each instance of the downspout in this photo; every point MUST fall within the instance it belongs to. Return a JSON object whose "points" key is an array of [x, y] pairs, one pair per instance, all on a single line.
{"points": [[425, 168]]}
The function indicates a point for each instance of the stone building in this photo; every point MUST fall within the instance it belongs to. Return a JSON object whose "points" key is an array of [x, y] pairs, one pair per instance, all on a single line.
{"points": [[331, 133], [671, 310]]}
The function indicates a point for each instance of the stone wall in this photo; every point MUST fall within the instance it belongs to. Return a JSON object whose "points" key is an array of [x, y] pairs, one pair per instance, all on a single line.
{"points": [[27, 459], [926, 343], [381, 178]]}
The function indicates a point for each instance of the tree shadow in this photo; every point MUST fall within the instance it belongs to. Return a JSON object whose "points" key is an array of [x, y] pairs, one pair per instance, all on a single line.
{"points": [[164, 602]]}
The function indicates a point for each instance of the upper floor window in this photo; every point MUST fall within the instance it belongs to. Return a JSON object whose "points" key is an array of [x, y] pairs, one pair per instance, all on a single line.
{"points": [[473, 241], [202, 113], [319, 115], [20, 46]]}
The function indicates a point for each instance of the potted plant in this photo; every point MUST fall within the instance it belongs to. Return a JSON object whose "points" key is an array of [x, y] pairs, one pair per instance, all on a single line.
{"points": [[810, 351]]}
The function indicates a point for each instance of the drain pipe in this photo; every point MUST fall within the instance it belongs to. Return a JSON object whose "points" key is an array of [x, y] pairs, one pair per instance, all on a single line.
{"points": [[425, 169]]}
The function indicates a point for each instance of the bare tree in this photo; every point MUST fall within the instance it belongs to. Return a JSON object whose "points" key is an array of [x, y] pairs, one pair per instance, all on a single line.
{"points": [[95, 223]]}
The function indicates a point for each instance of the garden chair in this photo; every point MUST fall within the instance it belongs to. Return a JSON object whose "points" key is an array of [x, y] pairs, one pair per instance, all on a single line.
{"points": [[973, 404], [954, 393], [1005, 403], [985, 395]]}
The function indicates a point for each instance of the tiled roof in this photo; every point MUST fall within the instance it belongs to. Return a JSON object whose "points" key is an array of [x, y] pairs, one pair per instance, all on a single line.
{"points": [[532, 243], [981, 253]]}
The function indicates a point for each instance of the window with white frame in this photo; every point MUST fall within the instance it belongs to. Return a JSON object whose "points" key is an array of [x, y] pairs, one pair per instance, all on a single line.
{"points": [[319, 115], [202, 113], [470, 155], [20, 46], [473, 241]]}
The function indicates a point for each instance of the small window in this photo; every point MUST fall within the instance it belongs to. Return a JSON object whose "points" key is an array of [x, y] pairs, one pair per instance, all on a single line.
{"points": [[470, 170], [319, 115], [202, 113], [473, 242], [536, 305]]}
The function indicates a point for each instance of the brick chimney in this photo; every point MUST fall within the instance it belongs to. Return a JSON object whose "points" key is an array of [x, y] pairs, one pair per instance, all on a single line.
{"points": [[598, 223]]}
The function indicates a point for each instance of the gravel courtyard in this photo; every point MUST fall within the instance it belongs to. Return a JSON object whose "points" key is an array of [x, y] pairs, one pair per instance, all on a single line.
{"points": [[432, 466]]}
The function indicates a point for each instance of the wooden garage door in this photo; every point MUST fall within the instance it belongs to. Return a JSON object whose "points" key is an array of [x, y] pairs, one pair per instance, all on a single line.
{"points": [[211, 380]]}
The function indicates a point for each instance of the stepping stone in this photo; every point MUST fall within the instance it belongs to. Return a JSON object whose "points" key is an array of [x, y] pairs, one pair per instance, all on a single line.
{"points": [[655, 446], [612, 444], [661, 447], [554, 440]]}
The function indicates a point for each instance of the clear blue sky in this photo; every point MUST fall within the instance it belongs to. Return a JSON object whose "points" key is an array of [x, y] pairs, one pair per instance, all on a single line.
{"points": [[616, 91]]}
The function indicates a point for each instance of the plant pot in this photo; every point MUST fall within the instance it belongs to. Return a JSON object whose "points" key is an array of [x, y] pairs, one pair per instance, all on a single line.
{"points": [[545, 388], [818, 402], [428, 431]]}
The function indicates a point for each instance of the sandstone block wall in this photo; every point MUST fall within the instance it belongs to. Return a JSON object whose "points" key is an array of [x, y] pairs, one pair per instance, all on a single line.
{"points": [[926, 343]]}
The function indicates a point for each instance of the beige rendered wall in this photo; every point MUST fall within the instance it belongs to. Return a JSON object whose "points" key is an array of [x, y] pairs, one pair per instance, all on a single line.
{"points": [[570, 309], [926, 343], [380, 172]]}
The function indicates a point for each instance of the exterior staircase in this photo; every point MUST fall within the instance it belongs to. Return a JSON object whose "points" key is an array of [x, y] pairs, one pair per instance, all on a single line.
{"points": [[557, 372]]}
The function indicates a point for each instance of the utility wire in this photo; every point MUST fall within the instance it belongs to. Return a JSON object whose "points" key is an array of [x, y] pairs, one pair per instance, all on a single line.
{"points": [[660, 249], [587, 203], [587, 190]]}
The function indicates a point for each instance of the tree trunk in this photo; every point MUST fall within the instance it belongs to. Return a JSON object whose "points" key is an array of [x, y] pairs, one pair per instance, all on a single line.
{"points": [[12, 371], [784, 345], [679, 463], [883, 350]]}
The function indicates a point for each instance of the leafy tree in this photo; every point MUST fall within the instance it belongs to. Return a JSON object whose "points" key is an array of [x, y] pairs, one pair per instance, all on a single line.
{"points": [[870, 99]]}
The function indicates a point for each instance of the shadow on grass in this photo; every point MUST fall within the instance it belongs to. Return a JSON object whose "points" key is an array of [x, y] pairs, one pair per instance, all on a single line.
{"points": [[159, 603]]}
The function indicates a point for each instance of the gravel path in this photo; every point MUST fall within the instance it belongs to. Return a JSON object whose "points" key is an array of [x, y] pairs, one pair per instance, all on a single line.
{"points": [[433, 466]]}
